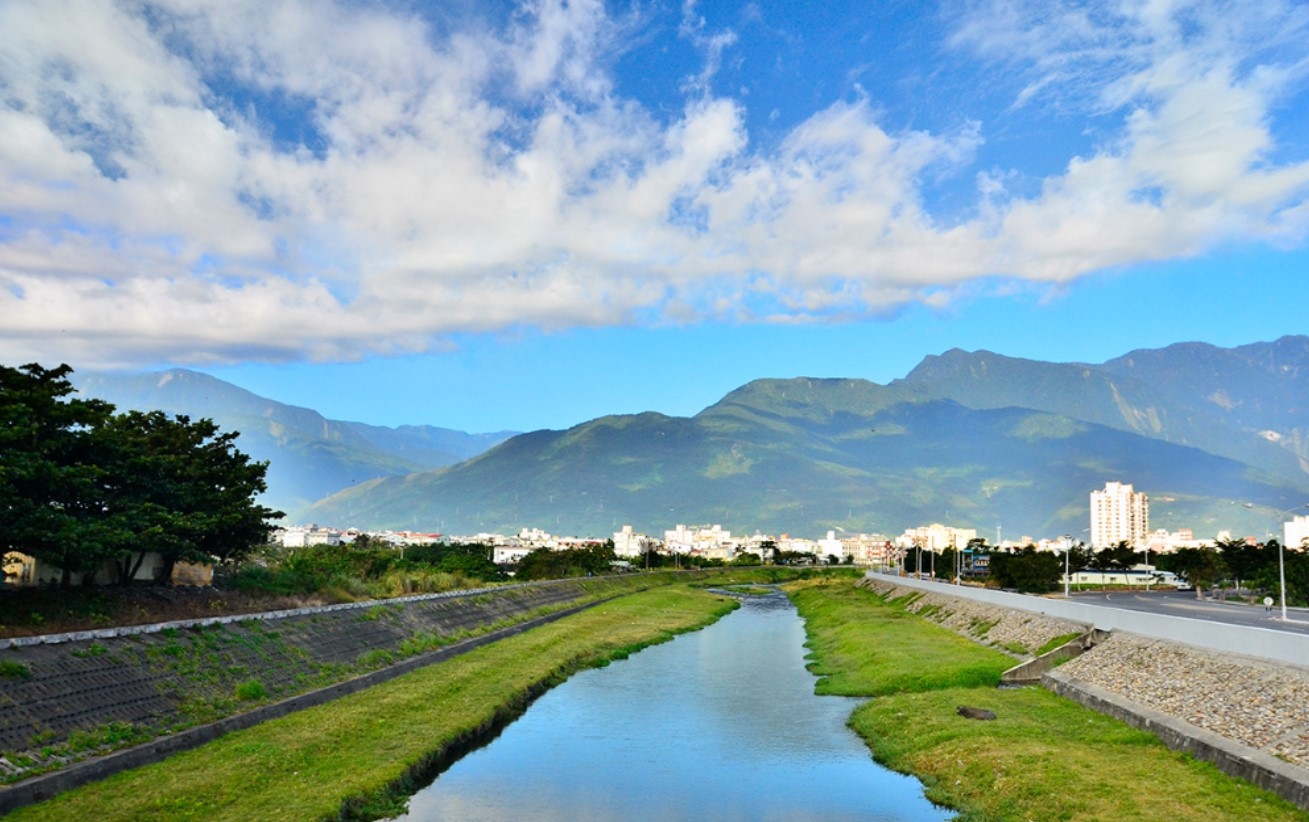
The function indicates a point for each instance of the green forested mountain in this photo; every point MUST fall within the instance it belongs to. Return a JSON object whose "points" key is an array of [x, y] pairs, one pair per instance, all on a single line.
{"points": [[1216, 436], [1247, 403], [970, 439], [309, 456]]}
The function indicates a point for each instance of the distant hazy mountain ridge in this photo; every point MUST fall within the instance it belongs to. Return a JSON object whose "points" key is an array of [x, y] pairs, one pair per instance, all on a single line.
{"points": [[309, 455]]}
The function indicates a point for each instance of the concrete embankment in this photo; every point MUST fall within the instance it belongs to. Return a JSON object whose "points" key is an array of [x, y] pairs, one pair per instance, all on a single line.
{"points": [[1247, 715], [64, 701], [1016, 632]]}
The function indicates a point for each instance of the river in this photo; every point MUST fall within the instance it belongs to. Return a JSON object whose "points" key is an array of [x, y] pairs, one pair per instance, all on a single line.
{"points": [[722, 723]]}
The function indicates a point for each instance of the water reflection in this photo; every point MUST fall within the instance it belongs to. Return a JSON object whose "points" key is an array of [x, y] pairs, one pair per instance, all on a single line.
{"points": [[718, 724]]}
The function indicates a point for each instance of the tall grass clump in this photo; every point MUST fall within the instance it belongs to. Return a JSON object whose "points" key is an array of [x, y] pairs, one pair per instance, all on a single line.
{"points": [[367, 569]]}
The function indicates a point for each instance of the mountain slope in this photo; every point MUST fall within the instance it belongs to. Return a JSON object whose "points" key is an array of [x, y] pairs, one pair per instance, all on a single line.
{"points": [[309, 456], [806, 456], [1259, 389], [1182, 394]]}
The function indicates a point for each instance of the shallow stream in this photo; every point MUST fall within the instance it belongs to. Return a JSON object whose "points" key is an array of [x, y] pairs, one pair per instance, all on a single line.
{"points": [[722, 723]]}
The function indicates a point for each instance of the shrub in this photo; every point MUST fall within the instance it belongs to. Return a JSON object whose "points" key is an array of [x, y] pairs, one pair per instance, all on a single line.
{"points": [[251, 690], [14, 670]]}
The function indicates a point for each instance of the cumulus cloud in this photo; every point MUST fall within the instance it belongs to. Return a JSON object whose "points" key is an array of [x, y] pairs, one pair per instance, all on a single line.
{"points": [[202, 182]]}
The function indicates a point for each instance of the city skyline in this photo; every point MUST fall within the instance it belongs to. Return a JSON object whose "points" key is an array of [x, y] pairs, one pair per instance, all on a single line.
{"points": [[502, 216]]}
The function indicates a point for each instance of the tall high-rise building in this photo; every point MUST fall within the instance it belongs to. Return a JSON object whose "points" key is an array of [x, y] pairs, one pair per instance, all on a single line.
{"points": [[1118, 513]]}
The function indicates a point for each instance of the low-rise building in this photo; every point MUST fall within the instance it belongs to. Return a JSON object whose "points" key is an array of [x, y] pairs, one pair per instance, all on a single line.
{"points": [[935, 537], [630, 544], [704, 540], [25, 571], [830, 546], [303, 536], [509, 554], [1163, 541]]}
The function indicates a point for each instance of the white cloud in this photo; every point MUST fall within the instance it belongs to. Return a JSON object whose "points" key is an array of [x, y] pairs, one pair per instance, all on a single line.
{"points": [[494, 176]]}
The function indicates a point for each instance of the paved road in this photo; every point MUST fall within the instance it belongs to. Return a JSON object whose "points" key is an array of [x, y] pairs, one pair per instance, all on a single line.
{"points": [[1184, 604]]}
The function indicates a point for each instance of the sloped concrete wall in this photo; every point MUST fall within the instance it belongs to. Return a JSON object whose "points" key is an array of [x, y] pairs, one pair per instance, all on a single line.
{"points": [[159, 678], [1234, 639]]}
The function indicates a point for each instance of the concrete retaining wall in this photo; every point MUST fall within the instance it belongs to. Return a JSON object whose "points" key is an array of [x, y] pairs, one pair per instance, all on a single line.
{"points": [[1235, 639], [261, 616], [154, 680], [1031, 671], [45, 786]]}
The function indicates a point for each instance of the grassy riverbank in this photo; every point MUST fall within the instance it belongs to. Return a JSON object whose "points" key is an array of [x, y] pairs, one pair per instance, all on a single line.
{"points": [[1043, 758], [356, 756]]}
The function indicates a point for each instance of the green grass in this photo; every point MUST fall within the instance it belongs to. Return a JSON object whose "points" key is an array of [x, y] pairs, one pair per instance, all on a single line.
{"points": [[10, 669], [750, 590], [353, 757], [93, 650], [251, 690], [1056, 642], [867, 648], [1043, 758], [1047, 758]]}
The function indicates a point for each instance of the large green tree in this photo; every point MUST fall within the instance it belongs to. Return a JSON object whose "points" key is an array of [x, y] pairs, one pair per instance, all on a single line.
{"points": [[50, 480], [1027, 570], [80, 485], [1203, 567], [180, 488]]}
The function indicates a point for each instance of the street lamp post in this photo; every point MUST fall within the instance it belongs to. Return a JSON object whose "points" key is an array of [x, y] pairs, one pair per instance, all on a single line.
{"points": [[1068, 549], [1148, 575], [1281, 575], [1281, 558]]}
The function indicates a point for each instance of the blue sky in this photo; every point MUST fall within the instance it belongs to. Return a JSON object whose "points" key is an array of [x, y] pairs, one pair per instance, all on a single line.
{"points": [[494, 216]]}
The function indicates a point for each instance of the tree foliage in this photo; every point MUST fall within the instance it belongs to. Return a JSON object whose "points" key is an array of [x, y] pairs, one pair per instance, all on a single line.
{"points": [[576, 562], [1203, 567], [1120, 557], [1027, 570], [82, 485]]}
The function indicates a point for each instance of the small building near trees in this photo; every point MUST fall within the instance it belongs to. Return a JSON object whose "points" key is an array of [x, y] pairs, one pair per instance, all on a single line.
{"points": [[23, 571]]}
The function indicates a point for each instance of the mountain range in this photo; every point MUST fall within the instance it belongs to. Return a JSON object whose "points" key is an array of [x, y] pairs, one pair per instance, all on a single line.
{"points": [[1216, 436], [309, 456]]}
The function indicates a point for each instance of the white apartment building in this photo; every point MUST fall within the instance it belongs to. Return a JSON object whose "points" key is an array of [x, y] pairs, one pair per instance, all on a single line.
{"points": [[1296, 532], [509, 554], [710, 541], [1162, 541], [303, 536], [935, 537], [870, 549], [831, 547], [629, 544], [1118, 513]]}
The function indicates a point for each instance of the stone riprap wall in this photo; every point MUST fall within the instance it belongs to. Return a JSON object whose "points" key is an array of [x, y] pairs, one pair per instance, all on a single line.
{"points": [[62, 702], [1264, 705], [1017, 632]]}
